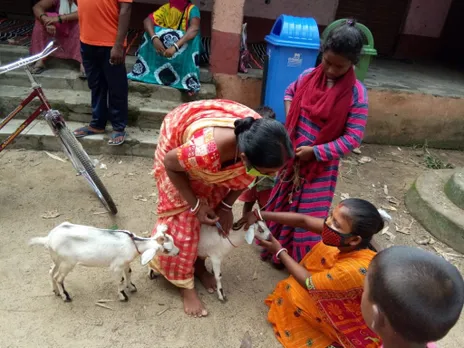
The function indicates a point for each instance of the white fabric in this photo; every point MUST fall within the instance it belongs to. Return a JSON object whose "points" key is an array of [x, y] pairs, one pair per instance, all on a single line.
{"points": [[66, 8]]}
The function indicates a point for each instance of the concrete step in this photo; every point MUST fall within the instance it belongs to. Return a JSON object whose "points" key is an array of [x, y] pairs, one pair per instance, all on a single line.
{"points": [[76, 106], [428, 204], [38, 136], [454, 189], [65, 78], [11, 53]]}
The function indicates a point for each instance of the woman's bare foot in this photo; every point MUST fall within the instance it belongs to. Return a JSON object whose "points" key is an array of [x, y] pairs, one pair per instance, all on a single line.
{"points": [[206, 278], [192, 303]]}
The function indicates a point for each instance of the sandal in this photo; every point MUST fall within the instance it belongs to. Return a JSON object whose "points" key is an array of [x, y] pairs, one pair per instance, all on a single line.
{"points": [[116, 135], [85, 132], [37, 70]]}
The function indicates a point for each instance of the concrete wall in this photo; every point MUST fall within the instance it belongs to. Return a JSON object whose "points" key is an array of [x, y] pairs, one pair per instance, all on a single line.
{"points": [[427, 17], [395, 118], [322, 10]]}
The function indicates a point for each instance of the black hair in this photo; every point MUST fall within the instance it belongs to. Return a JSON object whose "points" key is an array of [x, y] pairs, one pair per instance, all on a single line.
{"points": [[345, 40], [420, 293], [265, 142], [266, 112], [364, 217]]}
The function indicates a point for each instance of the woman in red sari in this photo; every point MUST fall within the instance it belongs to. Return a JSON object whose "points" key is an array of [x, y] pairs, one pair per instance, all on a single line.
{"points": [[56, 20], [208, 152]]}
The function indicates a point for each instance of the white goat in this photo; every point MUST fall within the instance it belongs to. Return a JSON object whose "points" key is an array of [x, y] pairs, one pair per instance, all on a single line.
{"points": [[215, 247], [71, 244]]}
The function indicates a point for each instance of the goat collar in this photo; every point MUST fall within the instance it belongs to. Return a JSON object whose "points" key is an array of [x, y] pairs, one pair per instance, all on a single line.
{"points": [[235, 227], [132, 237], [230, 241]]}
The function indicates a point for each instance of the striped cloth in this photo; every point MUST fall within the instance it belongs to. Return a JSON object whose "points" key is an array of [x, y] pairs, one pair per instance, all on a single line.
{"points": [[315, 197]]}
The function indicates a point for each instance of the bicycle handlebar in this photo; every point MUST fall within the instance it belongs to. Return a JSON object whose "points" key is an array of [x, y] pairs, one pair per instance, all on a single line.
{"points": [[49, 49]]}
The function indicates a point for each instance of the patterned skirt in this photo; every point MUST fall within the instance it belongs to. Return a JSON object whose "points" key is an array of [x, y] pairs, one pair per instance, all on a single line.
{"points": [[181, 71]]}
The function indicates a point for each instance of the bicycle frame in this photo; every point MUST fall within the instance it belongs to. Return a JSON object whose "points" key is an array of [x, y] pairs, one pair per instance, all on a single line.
{"points": [[36, 93]]}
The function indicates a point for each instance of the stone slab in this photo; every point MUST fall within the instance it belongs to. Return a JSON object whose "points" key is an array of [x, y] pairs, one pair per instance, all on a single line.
{"points": [[428, 204]]}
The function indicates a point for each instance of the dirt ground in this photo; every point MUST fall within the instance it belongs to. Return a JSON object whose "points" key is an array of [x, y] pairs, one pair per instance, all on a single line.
{"points": [[33, 184]]}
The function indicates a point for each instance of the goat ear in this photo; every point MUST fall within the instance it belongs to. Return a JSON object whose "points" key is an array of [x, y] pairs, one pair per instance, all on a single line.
{"points": [[162, 228], [147, 256], [250, 234]]}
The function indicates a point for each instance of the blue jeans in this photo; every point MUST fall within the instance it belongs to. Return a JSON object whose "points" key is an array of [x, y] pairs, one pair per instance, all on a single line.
{"points": [[109, 87]]}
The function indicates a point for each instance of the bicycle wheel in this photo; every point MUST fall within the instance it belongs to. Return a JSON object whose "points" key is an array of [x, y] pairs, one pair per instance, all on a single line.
{"points": [[84, 166]]}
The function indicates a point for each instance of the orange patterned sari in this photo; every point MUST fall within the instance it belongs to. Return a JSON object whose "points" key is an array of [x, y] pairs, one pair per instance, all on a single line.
{"points": [[327, 313], [189, 129]]}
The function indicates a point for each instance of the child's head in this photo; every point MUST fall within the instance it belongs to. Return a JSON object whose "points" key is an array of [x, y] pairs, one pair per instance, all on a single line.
{"points": [[352, 223], [341, 49], [266, 112], [413, 294]]}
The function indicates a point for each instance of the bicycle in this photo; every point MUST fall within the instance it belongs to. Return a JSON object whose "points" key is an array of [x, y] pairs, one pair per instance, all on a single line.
{"points": [[71, 146]]}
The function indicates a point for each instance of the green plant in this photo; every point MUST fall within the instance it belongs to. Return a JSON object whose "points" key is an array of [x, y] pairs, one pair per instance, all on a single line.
{"points": [[432, 161]]}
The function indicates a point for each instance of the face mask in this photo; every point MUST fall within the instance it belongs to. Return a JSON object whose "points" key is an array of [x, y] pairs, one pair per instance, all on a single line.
{"points": [[252, 171], [334, 238]]}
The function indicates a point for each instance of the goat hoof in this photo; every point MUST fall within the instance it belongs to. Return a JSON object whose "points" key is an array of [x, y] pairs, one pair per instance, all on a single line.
{"points": [[56, 292], [152, 274], [66, 298], [123, 297], [132, 287]]}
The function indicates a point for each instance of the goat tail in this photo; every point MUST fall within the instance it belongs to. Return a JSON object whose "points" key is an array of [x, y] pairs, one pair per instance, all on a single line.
{"points": [[39, 241]]}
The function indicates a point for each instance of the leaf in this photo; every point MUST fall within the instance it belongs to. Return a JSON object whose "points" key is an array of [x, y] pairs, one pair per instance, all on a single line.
{"points": [[114, 227], [140, 198], [344, 196], [55, 157], [393, 200], [103, 306], [388, 207], [426, 241], [365, 159], [403, 230], [390, 235], [52, 214]]}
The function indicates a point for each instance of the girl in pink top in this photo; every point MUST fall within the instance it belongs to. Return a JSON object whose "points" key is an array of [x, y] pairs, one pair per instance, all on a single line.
{"points": [[411, 297]]}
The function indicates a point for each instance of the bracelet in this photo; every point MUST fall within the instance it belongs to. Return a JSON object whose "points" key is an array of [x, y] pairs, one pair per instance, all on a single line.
{"points": [[226, 205], [195, 209], [177, 47], [154, 37], [280, 251], [257, 214]]}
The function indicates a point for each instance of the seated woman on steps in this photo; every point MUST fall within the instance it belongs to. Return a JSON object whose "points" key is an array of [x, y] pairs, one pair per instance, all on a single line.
{"points": [[170, 51], [56, 20]]}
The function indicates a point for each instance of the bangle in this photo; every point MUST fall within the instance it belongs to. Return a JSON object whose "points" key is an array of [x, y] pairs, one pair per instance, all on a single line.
{"points": [[195, 209], [280, 251], [226, 205], [60, 20], [177, 49], [154, 37], [257, 213]]}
